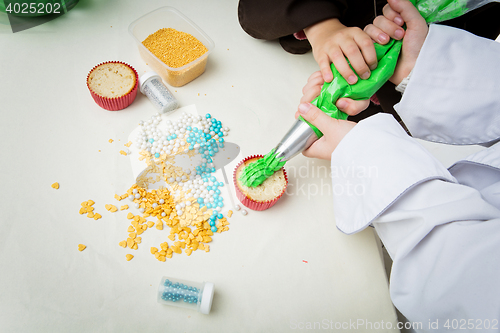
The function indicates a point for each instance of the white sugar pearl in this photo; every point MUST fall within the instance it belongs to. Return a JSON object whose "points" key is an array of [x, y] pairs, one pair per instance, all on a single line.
{"points": [[163, 214], [184, 177], [180, 212], [171, 180], [135, 191], [178, 179], [131, 197], [237, 207], [188, 171], [244, 212], [218, 209], [178, 207], [162, 201], [137, 196], [154, 205], [136, 205], [141, 210], [182, 204], [188, 203]]}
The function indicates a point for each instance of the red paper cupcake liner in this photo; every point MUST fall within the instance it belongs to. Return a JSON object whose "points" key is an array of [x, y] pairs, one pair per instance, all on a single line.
{"points": [[248, 202], [115, 103]]}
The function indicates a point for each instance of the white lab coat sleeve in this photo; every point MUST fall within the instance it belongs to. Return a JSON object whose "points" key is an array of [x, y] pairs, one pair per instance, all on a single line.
{"points": [[373, 165], [453, 94], [443, 236], [444, 239]]}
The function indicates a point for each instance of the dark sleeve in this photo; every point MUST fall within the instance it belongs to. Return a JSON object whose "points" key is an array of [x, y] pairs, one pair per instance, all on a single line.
{"points": [[264, 19]]}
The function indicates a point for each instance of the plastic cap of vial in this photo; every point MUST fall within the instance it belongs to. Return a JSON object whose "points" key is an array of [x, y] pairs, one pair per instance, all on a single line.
{"points": [[206, 298], [146, 76]]}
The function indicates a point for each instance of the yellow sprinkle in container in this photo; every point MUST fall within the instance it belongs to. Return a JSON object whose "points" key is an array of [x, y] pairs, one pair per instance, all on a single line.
{"points": [[170, 18]]}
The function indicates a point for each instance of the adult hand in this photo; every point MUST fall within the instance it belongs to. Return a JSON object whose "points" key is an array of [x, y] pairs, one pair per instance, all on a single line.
{"points": [[332, 42], [312, 90], [395, 14], [333, 131]]}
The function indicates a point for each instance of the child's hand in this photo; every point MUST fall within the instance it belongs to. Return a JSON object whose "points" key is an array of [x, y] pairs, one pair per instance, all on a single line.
{"points": [[312, 90], [397, 12], [333, 131], [331, 42]]}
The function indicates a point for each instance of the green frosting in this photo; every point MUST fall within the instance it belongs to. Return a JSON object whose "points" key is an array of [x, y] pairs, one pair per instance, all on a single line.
{"points": [[257, 172]]}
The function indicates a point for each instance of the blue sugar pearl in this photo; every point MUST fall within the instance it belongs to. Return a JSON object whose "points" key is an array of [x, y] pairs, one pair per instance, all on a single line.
{"points": [[213, 217], [221, 184], [217, 191], [213, 178], [219, 216], [212, 223], [174, 136], [198, 140], [208, 116], [216, 150], [189, 128], [209, 205], [221, 140], [220, 134], [221, 145], [191, 135], [189, 139], [157, 155], [214, 213], [220, 204], [215, 195], [214, 228], [218, 122], [211, 153], [151, 140], [200, 200], [191, 147]]}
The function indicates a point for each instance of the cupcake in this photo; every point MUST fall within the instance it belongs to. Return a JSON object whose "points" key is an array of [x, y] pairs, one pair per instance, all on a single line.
{"points": [[113, 85], [263, 196]]}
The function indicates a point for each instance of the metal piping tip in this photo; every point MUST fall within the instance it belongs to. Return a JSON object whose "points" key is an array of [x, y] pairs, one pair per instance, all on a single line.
{"points": [[298, 138]]}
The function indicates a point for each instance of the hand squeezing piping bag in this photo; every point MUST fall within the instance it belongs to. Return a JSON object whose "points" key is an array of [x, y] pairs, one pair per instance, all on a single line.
{"points": [[303, 134]]}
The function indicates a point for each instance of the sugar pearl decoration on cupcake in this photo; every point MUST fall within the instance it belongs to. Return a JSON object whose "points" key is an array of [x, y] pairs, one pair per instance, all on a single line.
{"points": [[203, 135]]}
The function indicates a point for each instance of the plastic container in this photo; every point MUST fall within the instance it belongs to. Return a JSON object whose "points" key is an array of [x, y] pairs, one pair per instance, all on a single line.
{"points": [[186, 294], [152, 86], [169, 17]]}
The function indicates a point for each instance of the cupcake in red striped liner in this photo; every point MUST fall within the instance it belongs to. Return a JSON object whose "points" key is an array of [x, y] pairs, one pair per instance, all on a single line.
{"points": [[266, 194], [113, 85]]}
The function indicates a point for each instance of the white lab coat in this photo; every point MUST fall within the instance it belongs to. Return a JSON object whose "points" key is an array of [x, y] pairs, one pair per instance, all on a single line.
{"points": [[441, 227]]}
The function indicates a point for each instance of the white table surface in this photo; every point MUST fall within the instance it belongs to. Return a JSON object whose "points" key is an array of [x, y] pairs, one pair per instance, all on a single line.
{"points": [[51, 131]]}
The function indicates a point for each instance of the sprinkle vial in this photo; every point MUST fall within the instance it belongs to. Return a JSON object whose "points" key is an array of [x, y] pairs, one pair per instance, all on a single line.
{"points": [[186, 294], [152, 86]]}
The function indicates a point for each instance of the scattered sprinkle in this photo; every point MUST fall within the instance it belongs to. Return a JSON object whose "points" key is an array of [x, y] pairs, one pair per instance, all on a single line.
{"points": [[110, 140], [129, 257], [55, 186], [81, 247]]}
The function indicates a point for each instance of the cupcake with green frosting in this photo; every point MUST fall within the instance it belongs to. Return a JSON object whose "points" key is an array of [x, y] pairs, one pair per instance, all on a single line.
{"points": [[259, 182]]}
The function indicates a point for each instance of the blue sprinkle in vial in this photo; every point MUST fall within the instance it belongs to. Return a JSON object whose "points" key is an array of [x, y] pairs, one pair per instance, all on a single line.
{"points": [[186, 294]]}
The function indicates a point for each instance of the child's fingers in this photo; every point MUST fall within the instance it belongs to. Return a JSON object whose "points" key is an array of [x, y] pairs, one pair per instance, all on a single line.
{"points": [[352, 107], [314, 76], [319, 149], [392, 15], [376, 34], [324, 67], [365, 44], [310, 94], [352, 52], [338, 59], [389, 27]]}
